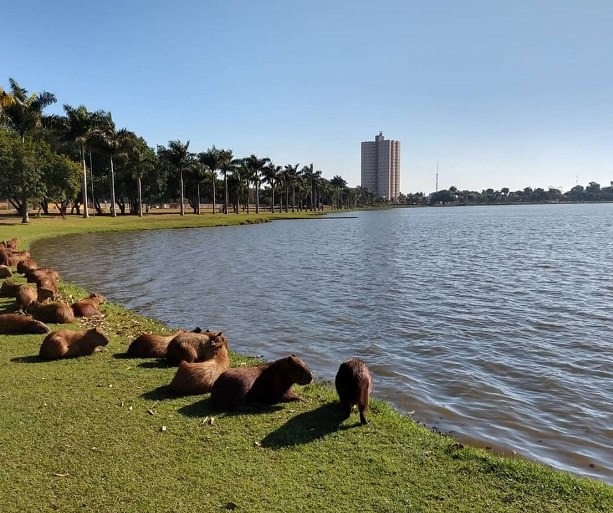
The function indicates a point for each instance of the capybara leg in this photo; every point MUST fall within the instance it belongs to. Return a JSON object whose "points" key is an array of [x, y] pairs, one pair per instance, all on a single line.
{"points": [[362, 410], [290, 396], [345, 410]]}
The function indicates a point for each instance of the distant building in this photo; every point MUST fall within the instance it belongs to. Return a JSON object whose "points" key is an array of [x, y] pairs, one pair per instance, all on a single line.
{"points": [[381, 167]]}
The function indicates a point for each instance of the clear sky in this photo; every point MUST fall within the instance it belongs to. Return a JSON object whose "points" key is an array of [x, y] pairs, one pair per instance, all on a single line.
{"points": [[504, 93]]}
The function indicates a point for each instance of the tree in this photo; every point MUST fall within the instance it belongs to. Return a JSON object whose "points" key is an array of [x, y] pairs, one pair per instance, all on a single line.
{"points": [[80, 126], [23, 113], [339, 184], [211, 160], [290, 177], [226, 163], [179, 158], [140, 161], [272, 176], [113, 143], [255, 167]]}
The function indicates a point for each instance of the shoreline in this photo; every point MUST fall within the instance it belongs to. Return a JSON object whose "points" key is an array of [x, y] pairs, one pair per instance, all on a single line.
{"points": [[326, 394]]}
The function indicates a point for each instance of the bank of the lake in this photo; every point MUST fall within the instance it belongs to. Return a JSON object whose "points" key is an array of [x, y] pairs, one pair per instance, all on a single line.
{"points": [[86, 434]]}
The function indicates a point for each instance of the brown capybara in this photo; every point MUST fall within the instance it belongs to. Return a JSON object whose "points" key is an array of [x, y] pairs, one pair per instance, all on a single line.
{"points": [[58, 313], [12, 323], [268, 383], [9, 289], [88, 307], [5, 272], [10, 244], [147, 345], [34, 275], [25, 295], [44, 294], [26, 265], [193, 347], [68, 343], [353, 383], [198, 378]]}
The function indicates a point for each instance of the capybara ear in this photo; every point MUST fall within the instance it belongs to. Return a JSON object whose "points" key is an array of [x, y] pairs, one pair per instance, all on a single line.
{"points": [[198, 329]]}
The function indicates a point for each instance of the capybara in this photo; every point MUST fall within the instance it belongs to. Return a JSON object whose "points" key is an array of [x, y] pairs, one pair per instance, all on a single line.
{"points": [[25, 295], [68, 343], [147, 345], [353, 383], [26, 265], [193, 347], [10, 244], [9, 289], [198, 378], [42, 272], [5, 272], [88, 307], [44, 294], [59, 313], [268, 383], [12, 323]]}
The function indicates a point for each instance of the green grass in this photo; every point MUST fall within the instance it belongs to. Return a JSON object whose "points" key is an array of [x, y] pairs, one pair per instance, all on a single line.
{"points": [[86, 435]]}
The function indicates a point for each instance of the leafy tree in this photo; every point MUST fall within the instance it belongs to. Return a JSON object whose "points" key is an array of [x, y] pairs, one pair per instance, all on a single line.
{"points": [[255, 167], [272, 176], [290, 178], [211, 159], [226, 163], [178, 156]]}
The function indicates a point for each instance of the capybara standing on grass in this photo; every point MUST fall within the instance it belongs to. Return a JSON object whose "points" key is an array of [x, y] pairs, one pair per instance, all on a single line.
{"points": [[148, 345], [269, 383], [16, 324], [69, 344], [198, 378], [59, 313], [88, 307], [353, 385], [193, 347]]}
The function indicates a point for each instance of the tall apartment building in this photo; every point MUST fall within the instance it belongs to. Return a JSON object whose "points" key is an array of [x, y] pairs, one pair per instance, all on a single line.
{"points": [[381, 167]]}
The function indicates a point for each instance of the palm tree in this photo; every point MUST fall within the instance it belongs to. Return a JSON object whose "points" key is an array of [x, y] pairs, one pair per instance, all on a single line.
{"points": [[23, 113], [80, 126], [140, 159], [211, 160], [226, 164], [114, 143], [339, 183], [179, 158], [291, 175], [272, 175], [256, 167]]}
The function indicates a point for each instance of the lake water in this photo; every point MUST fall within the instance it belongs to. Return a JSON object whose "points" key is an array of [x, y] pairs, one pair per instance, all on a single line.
{"points": [[494, 323]]}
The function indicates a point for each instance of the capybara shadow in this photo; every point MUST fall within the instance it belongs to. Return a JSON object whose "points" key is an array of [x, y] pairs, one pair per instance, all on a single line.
{"points": [[205, 407], [27, 359], [155, 364], [160, 393], [268, 383], [306, 427]]}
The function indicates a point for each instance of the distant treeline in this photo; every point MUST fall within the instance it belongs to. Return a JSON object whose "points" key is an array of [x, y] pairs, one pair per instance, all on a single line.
{"points": [[452, 196]]}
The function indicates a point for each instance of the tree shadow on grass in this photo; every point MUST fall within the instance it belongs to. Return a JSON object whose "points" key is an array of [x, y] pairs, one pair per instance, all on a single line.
{"points": [[307, 427], [33, 358]]}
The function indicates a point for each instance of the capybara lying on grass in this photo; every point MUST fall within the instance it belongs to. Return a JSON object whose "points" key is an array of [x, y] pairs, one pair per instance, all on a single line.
{"points": [[26, 265], [68, 343], [34, 275], [15, 324], [268, 383], [25, 295], [9, 289], [353, 383], [147, 345], [5, 272], [88, 307], [193, 347], [198, 378], [59, 313], [10, 244]]}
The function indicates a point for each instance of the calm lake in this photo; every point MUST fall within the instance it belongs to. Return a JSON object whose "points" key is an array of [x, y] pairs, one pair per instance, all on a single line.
{"points": [[494, 323]]}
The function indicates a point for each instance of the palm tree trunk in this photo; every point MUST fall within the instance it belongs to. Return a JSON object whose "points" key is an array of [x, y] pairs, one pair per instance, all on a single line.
{"points": [[214, 207], [272, 200], [84, 184], [181, 206], [225, 185], [257, 196], [91, 175], [113, 212], [293, 197], [140, 197], [286, 198]]}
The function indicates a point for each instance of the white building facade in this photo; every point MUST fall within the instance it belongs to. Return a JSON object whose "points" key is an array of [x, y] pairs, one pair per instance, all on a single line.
{"points": [[381, 167]]}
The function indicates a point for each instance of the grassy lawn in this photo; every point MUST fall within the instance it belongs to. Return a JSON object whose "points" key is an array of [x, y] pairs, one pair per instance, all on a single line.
{"points": [[99, 434]]}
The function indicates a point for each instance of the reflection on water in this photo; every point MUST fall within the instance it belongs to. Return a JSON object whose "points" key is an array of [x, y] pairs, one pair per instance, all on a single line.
{"points": [[491, 322]]}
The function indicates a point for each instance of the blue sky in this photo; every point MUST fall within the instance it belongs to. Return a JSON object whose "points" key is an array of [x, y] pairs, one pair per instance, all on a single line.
{"points": [[501, 93]]}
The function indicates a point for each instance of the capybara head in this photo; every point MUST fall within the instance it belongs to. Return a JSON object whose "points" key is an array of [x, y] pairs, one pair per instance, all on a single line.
{"points": [[99, 298], [97, 336], [297, 369]]}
